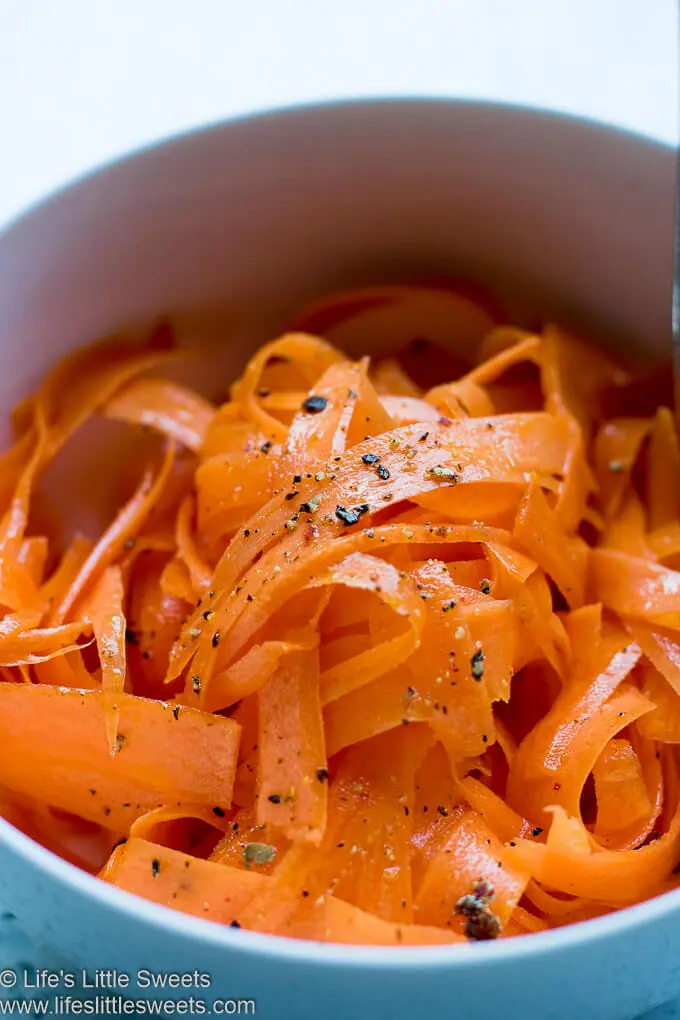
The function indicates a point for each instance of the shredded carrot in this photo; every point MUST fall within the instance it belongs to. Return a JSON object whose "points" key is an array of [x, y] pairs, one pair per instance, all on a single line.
{"points": [[378, 651]]}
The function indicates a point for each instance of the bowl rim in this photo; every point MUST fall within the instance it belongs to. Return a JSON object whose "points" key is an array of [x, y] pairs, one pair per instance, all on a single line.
{"points": [[324, 954], [333, 106], [282, 948]]}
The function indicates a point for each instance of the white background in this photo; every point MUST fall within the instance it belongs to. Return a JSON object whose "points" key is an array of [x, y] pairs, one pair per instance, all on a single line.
{"points": [[84, 80]]}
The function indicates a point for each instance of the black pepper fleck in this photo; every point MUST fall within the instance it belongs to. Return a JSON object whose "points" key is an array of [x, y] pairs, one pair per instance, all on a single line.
{"points": [[347, 517], [314, 404]]}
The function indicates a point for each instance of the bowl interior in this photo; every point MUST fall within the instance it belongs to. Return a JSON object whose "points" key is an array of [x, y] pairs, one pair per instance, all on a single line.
{"points": [[231, 228]]}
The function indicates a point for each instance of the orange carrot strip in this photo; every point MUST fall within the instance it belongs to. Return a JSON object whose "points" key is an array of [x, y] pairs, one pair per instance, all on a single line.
{"points": [[33, 555], [663, 650], [185, 883], [409, 410], [663, 471], [361, 790], [104, 610], [664, 542], [58, 583], [221, 893], [563, 558], [362, 572], [609, 876], [311, 357], [626, 531], [337, 921], [293, 772], [663, 723], [314, 436], [32, 644], [626, 813], [616, 449], [186, 547], [469, 853], [72, 392], [392, 315], [390, 379], [242, 829], [554, 759], [165, 406], [635, 587], [159, 823], [251, 672], [128, 522], [165, 754]]}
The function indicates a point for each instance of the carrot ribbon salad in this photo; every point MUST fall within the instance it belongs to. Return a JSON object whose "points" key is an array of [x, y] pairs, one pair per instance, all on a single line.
{"points": [[380, 650]]}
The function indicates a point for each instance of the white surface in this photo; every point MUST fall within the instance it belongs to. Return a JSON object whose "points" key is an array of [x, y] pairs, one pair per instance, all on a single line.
{"points": [[84, 80]]}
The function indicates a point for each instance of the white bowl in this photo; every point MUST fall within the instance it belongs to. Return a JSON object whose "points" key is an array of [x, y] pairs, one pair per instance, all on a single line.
{"points": [[231, 228]]}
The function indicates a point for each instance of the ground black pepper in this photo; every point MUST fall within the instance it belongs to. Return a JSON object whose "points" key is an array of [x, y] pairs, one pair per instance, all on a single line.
{"points": [[314, 405], [346, 516]]}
